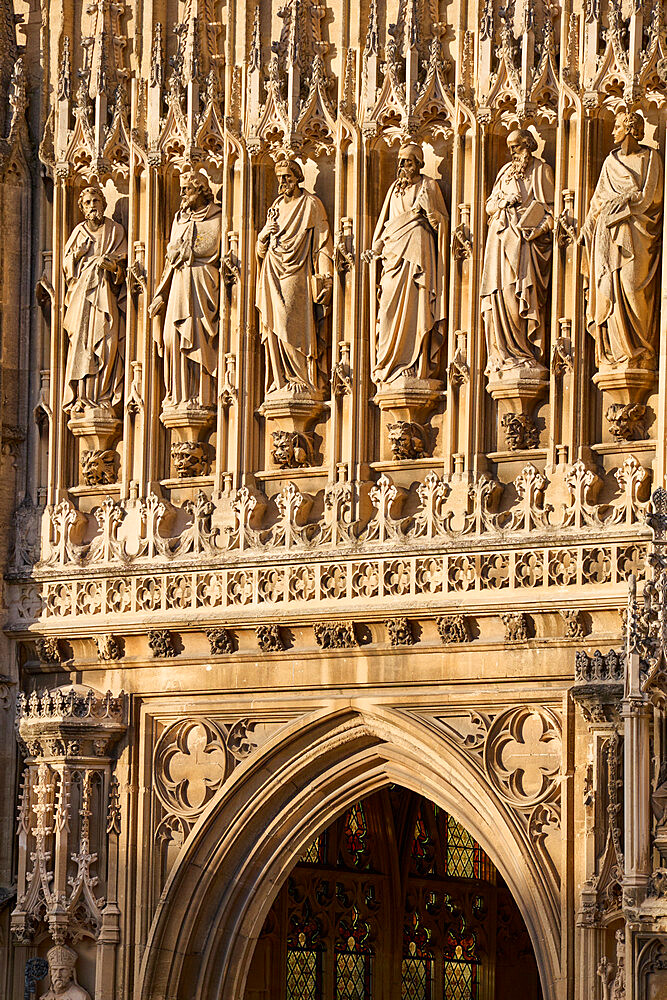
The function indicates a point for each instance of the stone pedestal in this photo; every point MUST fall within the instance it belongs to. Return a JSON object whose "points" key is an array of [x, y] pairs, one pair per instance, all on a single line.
{"points": [[189, 425], [624, 393], [290, 418], [517, 392], [405, 405], [97, 429]]}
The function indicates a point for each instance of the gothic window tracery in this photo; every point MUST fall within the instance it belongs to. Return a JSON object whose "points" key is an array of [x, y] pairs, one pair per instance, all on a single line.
{"points": [[392, 853]]}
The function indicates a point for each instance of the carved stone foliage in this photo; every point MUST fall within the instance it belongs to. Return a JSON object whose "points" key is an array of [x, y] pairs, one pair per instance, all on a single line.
{"points": [[400, 631], [453, 629], [335, 635], [269, 638], [48, 650], [574, 626], [516, 626], [108, 647], [220, 640], [161, 642]]}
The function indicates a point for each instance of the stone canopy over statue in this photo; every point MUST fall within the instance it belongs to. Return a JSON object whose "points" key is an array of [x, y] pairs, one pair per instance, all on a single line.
{"points": [[63, 985], [295, 251], [411, 240], [517, 259], [621, 241], [185, 306], [94, 266]]}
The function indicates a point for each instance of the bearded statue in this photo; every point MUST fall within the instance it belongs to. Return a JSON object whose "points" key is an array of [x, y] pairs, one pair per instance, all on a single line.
{"points": [[63, 985]]}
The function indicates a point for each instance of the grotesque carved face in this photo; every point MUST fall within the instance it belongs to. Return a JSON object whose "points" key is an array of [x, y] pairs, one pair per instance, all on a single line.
{"points": [[288, 184], [61, 977], [92, 206]]}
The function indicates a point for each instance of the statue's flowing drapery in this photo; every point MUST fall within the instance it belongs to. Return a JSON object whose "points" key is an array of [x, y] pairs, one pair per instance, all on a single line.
{"points": [[621, 258], [413, 228]]}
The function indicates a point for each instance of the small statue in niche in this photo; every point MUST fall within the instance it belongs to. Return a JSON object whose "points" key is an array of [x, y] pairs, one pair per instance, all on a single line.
{"points": [[621, 241], [94, 266], [517, 258], [411, 240], [188, 294], [63, 985], [295, 249]]}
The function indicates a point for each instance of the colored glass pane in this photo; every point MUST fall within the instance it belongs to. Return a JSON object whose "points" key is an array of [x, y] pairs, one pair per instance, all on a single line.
{"points": [[353, 979], [303, 975], [355, 832], [460, 851], [315, 854], [460, 981], [416, 979], [422, 847]]}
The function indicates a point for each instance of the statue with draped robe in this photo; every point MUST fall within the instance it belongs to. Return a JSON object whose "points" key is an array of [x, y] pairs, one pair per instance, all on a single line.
{"points": [[94, 266], [517, 259], [411, 240], [295, 252], [185, 307], [621, 239]]}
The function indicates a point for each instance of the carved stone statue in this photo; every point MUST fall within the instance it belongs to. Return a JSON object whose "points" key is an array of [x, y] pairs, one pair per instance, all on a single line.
{"points": [[517, 258], [94, 265], [621, 240], [187, 298], [63, 984], [295, 282], [411, 239]]}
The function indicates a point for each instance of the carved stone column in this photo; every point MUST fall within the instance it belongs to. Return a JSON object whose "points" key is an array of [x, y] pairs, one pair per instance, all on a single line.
{"points": [[68, 823]]}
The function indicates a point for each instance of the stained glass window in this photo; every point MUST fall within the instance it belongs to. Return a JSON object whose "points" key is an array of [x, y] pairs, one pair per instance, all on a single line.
{"points": [[355, 832], [461, 980], [353, 976], [304, 975], [316, 853], [422, 847], [460, 851], [416, 974]]}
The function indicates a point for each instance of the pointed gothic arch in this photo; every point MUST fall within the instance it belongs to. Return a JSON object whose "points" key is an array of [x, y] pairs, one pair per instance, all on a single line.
{"points": [[241, 850]]}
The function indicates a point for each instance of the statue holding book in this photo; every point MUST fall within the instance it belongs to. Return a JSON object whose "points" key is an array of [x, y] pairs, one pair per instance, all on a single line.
{"points": [[621, 241], [517, 259]]}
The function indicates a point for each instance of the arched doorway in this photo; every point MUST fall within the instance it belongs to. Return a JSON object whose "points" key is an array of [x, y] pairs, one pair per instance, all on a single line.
{"points": [[240, 852], [395, 900]]}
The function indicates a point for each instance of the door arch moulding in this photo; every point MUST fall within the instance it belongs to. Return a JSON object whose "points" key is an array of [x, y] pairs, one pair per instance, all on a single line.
{"points": [[242, 848]]}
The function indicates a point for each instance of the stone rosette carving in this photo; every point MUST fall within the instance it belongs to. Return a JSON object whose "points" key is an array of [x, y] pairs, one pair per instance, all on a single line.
{"points": [[400, 631], [335, 635], [161, 642], [453, 629], [221, 641], [269, 638]]}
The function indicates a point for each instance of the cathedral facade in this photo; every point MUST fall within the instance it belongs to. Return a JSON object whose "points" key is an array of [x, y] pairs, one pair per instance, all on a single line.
{"points": [[334, 454]]}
